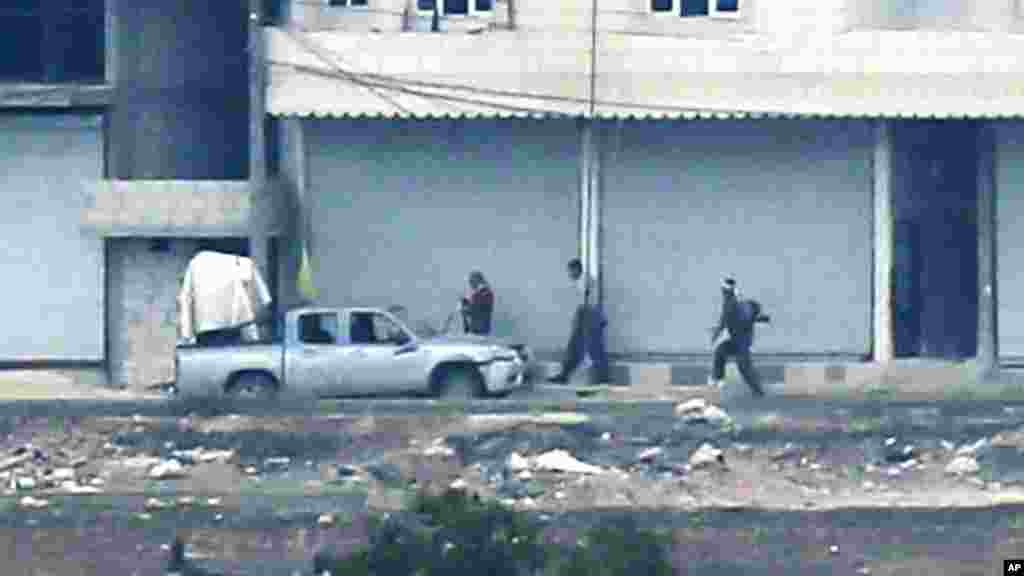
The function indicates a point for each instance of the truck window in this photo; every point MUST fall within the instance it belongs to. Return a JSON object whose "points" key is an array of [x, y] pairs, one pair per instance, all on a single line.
{"points": [[319, 328], [376, 328]]}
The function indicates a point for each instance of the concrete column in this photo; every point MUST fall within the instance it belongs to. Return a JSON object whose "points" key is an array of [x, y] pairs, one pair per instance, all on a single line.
{"points": [[988, 351], [586, 136], [594, 231], [883, 240], [258, 239]]}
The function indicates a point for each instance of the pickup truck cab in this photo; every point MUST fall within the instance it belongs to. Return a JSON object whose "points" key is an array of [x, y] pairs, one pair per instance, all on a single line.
{"points": [[351, 352]]}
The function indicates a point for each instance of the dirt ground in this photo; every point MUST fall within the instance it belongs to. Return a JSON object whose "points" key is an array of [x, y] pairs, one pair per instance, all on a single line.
{"points": [[785, 490]]}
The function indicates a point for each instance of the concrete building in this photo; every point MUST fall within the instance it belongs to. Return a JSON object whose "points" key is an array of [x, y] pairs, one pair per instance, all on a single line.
{"points": [[856, 166], [128, 128], [851, 163]]}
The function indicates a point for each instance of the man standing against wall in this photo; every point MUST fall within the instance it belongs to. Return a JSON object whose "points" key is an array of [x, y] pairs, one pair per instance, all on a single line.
{"points": [[587, 334]]}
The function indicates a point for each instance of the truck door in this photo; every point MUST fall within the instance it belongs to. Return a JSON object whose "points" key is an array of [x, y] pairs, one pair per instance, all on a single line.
{"points": [[313, 363], [382, 359]]}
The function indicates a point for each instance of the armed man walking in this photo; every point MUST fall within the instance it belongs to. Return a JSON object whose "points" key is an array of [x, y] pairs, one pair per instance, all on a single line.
{"points": [[587, 336], [737, 321]]}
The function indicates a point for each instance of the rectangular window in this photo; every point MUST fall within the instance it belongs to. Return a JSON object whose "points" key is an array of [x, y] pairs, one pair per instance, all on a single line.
{"points": [[691, 8], [456, 7], [55, 41], [661, 5], [318, 328], [726, 7], [344, 3]]}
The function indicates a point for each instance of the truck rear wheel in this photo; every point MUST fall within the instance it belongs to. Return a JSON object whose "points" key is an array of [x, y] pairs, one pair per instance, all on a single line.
{"points": [[252, 385], [460, 383]]}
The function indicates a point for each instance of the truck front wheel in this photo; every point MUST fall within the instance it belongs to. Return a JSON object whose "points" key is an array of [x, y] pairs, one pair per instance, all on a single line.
{"points": [[252, 385], [460, 383]]}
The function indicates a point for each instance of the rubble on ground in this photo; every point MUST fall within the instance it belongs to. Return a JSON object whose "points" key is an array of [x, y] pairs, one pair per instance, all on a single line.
{"points": [[962, 465], [706, 455], [167, 469], [562, 461], [699, 411]]}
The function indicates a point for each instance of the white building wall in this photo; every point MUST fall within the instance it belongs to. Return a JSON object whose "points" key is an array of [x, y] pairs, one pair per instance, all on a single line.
{"points": [[53, 291], [403, 210], [785, 206]]}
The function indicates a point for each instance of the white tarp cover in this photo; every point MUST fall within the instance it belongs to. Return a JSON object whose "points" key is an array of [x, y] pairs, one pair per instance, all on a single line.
{"points": [[220, 291]]}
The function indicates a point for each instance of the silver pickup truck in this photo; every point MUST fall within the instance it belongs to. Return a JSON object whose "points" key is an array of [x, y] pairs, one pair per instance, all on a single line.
{"points": [[351, 352]]}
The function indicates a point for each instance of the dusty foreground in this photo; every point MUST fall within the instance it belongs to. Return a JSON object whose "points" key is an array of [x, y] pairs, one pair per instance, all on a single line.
{"points": [[748, 492]]}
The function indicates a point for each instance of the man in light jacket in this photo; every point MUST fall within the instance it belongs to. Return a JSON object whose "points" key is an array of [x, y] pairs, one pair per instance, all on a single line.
{"points": [[587, 335]]}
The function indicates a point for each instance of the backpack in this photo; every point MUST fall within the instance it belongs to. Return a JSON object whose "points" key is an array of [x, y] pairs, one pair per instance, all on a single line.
{"points": [[748, 312]]}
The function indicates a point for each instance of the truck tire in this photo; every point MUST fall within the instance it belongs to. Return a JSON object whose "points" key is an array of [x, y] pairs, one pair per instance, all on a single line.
{"points": [[252, 385], [460, 383]]}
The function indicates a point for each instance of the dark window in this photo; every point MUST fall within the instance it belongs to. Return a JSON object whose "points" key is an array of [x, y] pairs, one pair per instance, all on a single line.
{"points": [[318, 328], [661, 5], [361, 329], [52, 40], [357, 2], [456, 6], [272, 12], [483, 5], [727, 5], [425, 5], [347, 3], [694, 8]]}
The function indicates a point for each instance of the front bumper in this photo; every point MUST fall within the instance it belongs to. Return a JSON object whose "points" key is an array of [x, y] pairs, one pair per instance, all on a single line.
{"points": [[503, 375]]}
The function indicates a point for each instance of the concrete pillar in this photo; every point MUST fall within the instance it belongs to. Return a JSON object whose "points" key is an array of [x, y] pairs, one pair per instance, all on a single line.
{"points": [[258, 239], [586, 135], [988, 351], [883, 240]]}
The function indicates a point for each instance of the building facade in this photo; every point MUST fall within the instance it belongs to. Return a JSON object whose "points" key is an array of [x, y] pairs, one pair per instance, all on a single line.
{"points": [[851, 163], [127, 131]]}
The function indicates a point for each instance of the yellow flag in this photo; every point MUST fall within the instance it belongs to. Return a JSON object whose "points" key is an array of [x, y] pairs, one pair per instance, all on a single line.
{"points": [[305, 281]]}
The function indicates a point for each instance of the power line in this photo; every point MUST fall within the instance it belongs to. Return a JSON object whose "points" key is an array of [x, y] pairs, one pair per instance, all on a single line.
{"points": [[393, 81], [396, 87], [309, 48]]}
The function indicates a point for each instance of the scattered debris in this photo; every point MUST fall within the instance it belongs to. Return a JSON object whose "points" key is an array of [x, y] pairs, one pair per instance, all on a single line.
{"points": [[439, 448], [201, 455], [73, 487], [156, 504], [166, 470], [458, 484], [650, 454], [896, 453], [61, 475], [325, 520], [278, 462], [973, 449], [699, 410], [30, 502], [788, 451], [562, 461], [140, 462], [15, 461], [25, 483], [516, 463], [962, 465], [706, 455], [213, 502]]}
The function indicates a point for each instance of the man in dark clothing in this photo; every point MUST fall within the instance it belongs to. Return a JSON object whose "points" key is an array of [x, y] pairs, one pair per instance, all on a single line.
{"points": [[587, 334], [738, 319], [478, 305]]}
